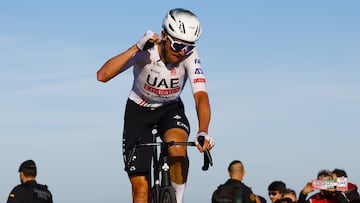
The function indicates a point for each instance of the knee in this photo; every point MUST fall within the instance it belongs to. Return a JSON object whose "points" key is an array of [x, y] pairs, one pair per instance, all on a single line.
{"points": [[177, 151]]}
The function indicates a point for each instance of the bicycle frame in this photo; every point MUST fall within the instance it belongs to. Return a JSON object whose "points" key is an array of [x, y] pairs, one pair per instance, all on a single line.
{"points": [[159, 176], [161, 169]]}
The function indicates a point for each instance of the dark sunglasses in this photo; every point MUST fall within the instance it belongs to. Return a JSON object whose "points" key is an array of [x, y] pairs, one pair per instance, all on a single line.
{"points": [[180, 46]]}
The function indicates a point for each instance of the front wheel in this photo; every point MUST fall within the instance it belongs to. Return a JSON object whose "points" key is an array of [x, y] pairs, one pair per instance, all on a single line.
{"points": [[167, 195]]}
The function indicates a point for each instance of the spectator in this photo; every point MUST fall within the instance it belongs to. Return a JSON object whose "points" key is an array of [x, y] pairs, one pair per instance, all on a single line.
{"points": [[234, 190], [29, 191], [261, 198], [352, 192], [289, 196], [329, 195], [276, 190]]}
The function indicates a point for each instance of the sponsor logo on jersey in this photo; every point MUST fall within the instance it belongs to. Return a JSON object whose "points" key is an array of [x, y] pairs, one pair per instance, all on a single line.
{"points": [[177, 117], [161, 91], [197, 61], [196, 80], [162, 82], [199, 71], [162, 86], [152, 70]]}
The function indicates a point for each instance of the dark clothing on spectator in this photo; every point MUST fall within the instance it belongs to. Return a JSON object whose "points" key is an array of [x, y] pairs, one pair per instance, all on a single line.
{"points": [[247, 196], [352, 192], [30, 192], [327, 197]]}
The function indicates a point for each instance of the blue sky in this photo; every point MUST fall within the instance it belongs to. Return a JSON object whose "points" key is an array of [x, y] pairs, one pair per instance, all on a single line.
{"points": [[283, 79]]}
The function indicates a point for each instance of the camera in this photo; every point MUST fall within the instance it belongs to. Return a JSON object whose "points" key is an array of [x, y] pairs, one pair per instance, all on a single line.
{"points": [[340, 184]]}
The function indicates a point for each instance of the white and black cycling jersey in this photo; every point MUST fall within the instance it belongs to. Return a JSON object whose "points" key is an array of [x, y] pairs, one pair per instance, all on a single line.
{"points": [[156, 84]]}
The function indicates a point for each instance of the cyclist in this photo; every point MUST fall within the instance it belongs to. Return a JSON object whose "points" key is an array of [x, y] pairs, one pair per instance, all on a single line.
{"points": [[161, 67]]}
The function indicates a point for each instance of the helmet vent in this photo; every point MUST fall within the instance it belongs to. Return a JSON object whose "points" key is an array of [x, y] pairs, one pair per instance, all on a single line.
{"points": [[172, 16], [171, 28], [181, 27], [197, 31]]}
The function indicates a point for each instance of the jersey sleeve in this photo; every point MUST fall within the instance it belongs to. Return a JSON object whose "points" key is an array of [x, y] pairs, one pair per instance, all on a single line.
{"points": [[17, 195], [195, 72]]}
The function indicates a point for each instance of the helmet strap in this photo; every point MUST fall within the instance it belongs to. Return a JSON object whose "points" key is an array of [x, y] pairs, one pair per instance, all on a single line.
{"points": [[163, 51]]}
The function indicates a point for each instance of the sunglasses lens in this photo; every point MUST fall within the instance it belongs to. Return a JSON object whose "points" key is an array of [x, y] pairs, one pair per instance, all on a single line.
{"points": [[177, 46], [181, 47], [272, 193], [188, 48]]}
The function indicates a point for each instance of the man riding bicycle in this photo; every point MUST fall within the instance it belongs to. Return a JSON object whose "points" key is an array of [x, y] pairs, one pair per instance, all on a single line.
{"points": [[161, 68]]}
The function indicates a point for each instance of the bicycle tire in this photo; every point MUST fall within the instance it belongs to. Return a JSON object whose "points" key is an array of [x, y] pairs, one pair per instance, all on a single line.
{"points": [[167, 195]]}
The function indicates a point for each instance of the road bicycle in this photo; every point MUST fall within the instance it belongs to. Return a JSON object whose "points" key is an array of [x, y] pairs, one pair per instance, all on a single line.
{"points": [[161, 190]]}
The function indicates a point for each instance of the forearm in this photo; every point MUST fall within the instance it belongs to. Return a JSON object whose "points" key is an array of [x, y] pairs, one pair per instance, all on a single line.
{"points": [[203, 111], [113, 66]]}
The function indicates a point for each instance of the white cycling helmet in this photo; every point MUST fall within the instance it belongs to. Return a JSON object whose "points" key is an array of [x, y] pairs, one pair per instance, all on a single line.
{"points": [[182, 24]]}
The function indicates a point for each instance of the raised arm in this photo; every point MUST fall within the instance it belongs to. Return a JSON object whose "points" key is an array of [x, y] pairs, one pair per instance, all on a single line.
{"points": [[113, 66]]}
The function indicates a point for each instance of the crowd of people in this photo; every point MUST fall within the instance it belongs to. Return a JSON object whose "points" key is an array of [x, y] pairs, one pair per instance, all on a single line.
{"points": [[234, 190], [324, 189]]}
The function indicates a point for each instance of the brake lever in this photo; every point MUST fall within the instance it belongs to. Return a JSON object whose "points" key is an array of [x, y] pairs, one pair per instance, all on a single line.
{"points": [[207, 156]]}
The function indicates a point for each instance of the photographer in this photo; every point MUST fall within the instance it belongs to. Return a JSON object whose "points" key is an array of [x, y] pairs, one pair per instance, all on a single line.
{"points": [[325, 194], [351, 193]]}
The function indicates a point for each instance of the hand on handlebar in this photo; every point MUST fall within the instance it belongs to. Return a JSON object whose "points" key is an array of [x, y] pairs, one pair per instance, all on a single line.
{"points": [[204, 143], [208, 142]]}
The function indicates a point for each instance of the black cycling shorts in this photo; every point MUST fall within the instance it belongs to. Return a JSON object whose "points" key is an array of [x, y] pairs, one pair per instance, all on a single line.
{"points": [[139, 123]]}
